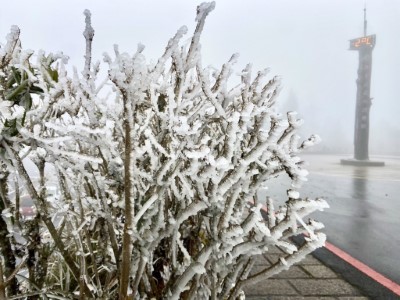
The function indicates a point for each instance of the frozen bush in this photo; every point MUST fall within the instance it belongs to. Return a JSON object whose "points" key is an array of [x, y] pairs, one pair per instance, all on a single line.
{"points": [[151, 192]]}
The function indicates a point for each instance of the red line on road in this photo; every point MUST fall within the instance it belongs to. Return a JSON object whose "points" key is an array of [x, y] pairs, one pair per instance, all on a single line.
{"points": [[394, 287]]}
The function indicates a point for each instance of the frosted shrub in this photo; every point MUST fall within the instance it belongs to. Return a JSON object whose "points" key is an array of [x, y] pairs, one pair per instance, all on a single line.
{"points": [[157, 182]]}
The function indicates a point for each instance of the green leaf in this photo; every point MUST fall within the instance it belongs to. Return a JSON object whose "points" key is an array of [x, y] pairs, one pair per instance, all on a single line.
{"points": [[26, 101], [35, 89], [23, 118], [53, 75], [18, 90], [11, 127], [16, 74], [10, 81]]}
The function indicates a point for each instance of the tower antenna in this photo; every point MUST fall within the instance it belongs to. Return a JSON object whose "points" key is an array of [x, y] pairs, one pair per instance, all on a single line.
{"points": [[365, 19]]}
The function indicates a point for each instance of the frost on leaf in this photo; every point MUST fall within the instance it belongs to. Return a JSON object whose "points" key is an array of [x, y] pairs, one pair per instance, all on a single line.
{"points": [[151, 191]]}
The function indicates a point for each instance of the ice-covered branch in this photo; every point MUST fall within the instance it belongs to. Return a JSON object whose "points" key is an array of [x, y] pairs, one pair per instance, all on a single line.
{"points": [[88, 34]]}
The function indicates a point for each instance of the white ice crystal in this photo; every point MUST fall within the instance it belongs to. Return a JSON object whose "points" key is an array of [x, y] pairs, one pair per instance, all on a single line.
{"points": [[293, 194]]}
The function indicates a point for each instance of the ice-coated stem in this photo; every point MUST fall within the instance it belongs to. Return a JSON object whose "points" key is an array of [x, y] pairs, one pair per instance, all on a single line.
{"points": [[129, 207], [88, 34], [202, 11], [190, 271]]}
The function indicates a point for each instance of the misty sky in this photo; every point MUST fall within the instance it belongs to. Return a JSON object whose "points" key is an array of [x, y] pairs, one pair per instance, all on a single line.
{"points": [[303, 41]]}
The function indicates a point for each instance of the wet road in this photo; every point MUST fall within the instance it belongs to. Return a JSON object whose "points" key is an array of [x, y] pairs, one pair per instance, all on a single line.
{"points": [[364, 215]]}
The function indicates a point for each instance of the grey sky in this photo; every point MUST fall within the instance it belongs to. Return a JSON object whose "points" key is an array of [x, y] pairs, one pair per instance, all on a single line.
{"points": [[305, 42]]}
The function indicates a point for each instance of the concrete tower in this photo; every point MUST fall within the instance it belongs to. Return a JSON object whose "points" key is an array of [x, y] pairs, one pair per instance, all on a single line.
{"points": [[364, 45]]}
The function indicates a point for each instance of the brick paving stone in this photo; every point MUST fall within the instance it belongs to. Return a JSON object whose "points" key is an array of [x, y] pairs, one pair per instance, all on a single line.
{"points": [[300, 298], [273, 258], [293, 272], [319, 271], [324, 287], [353, 298], [274, 250], [270, 287], [257, 268], [289, 298], [308, 260], [260, 260]]}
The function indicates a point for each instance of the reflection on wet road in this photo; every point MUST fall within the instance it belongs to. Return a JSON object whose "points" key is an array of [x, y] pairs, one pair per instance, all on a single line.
{"points": [[364, 218]]}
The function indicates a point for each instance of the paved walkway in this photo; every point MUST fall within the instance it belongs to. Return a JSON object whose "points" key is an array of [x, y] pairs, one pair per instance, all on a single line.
{"points": [[307, 280]]}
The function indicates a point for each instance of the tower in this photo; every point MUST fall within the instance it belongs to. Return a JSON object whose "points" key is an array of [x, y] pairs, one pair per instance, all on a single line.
{"points": [[364, 45]]}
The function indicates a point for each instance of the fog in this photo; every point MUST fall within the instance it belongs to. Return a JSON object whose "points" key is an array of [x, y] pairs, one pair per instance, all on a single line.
{"points": [[305, 42]]}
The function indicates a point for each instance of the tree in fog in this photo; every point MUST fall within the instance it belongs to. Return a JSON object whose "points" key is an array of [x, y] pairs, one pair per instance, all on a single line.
{"points": [[157, 167]]}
